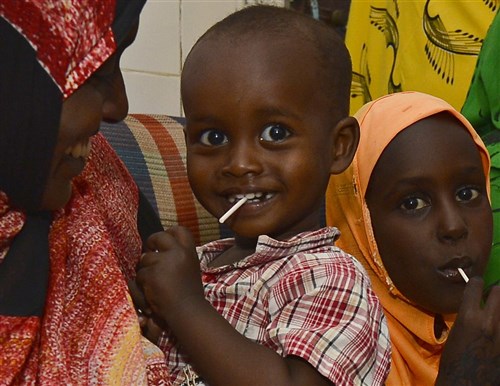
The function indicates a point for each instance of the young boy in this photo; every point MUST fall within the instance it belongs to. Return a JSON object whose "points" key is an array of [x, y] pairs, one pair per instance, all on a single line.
{"points": [[266, 95]]}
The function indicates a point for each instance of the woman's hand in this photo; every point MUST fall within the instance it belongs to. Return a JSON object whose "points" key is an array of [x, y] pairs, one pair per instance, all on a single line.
{"points": [[472, 352]]}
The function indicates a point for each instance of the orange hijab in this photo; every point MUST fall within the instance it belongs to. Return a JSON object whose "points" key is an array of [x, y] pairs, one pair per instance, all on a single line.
{"points": [[415, 349]]}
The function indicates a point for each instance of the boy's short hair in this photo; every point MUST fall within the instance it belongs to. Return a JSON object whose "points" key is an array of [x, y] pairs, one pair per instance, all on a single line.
{"points": [[282, 23]]}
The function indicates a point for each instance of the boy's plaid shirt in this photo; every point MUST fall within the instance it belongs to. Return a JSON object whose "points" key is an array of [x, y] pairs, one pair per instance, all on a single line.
{"points": [[302, 297]]}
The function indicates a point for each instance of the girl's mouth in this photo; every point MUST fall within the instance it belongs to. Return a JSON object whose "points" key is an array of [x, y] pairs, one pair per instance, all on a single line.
{"points": [[451, 270]]}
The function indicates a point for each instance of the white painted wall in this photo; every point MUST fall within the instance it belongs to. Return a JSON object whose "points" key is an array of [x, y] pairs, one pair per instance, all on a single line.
{"points": [[167, 31]]}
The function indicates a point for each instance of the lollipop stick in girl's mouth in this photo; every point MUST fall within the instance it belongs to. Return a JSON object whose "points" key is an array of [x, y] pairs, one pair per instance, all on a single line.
{"points": [[463, 274]]}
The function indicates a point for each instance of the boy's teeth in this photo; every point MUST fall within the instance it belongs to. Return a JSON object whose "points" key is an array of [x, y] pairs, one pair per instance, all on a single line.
{"points": [[250, 196]]}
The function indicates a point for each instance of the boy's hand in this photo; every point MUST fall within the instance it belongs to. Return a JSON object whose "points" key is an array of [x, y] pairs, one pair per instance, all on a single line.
{"points": [[472, 352], [171, 276], [150, 329]]}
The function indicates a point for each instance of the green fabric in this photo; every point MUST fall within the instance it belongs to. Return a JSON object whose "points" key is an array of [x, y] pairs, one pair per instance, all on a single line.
{"points": [[494, 150], [482, 109], [493, 271], [482, 105]]}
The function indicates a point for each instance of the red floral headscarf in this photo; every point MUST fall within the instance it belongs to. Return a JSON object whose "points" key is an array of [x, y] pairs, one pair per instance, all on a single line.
{"points": [[48, 49]]}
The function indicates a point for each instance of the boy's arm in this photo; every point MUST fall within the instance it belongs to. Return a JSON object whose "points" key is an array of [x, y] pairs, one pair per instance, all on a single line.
{"points": [[222, 356]]}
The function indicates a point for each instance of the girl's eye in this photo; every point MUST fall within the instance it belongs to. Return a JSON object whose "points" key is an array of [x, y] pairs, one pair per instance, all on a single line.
{"points": [[413, 203], [467, 194], [274, 133], [213, 137]]}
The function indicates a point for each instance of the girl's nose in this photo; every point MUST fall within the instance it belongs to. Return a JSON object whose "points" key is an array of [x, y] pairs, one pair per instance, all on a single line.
{"points": [[452, 223]]}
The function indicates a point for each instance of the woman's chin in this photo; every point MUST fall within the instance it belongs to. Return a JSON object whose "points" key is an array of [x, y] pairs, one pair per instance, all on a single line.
{"points": [[56, 196]]}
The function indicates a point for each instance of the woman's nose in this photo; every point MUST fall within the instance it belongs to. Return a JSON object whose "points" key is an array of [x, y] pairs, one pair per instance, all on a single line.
{"points": [[115, 104]]}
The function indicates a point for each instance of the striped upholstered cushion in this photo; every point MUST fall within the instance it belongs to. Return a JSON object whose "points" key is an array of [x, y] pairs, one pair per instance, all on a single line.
{"points": [[152, 147]]}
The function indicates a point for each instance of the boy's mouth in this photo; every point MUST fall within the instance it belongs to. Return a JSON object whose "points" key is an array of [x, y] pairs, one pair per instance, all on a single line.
{"points": [[251, 197]]}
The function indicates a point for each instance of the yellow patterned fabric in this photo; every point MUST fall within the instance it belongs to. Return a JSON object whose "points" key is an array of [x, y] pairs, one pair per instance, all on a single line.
{"points": [[429, 46]]}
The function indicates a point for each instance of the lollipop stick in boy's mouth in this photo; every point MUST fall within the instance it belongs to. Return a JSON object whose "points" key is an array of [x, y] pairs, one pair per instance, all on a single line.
{"points": [[233, 209]]}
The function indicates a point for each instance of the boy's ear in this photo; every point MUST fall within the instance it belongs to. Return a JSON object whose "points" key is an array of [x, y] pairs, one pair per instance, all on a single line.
{"points": [[345, 142]]}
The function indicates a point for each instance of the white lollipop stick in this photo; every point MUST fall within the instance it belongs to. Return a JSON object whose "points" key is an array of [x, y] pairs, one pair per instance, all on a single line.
{"points": [[233, 209], [463, 274]]}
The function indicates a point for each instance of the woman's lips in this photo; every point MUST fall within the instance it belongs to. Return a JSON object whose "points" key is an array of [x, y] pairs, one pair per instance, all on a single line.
{"points": [[80, 150], [74, 160]]}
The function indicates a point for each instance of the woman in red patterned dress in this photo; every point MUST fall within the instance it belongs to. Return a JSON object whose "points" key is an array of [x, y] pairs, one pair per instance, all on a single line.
{"points": [[68, 206]]}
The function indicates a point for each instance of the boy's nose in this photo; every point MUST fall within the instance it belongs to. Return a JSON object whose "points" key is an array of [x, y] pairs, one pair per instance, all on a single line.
{"points": [[242, 159]]}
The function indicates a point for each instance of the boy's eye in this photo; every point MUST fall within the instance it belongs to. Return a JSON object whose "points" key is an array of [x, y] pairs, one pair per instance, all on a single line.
{"points": [[213, 137], [413, 203], [467, 194], [274, 133]]}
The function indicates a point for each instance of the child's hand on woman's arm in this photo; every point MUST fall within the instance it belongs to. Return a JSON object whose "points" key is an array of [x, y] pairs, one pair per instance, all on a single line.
{"points": [[170, 276], [160, 281], [472, 352], [150, 329]]}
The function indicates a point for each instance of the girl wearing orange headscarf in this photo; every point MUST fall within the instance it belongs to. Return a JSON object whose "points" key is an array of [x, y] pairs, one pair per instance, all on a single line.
{"points": [[413, 208]]}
